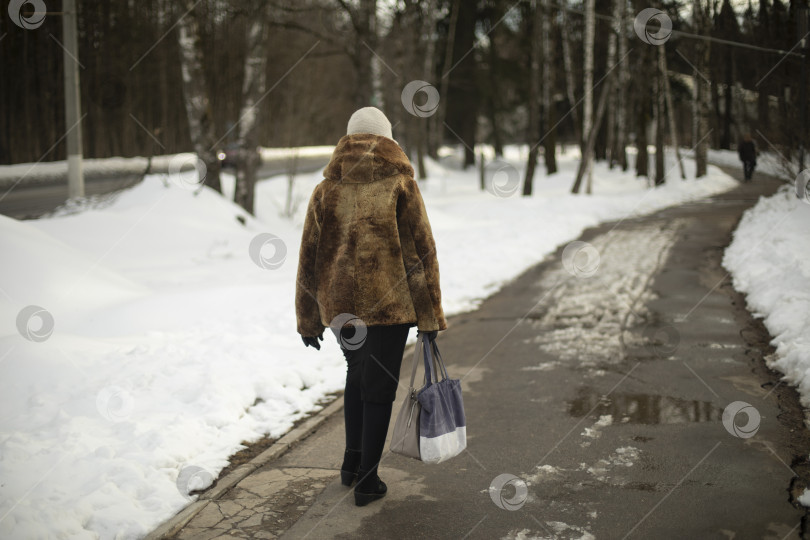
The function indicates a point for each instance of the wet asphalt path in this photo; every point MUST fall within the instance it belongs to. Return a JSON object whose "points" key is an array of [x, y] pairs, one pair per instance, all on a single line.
{"points": [[601, 393], [594, 388]]}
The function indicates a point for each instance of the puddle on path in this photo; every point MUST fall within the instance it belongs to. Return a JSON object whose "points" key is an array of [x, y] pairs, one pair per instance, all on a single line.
{"points": [[643, 408]]}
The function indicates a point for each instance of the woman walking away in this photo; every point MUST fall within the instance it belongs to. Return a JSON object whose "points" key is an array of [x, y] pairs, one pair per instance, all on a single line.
{"points": [[748, 155], [368, 270]]}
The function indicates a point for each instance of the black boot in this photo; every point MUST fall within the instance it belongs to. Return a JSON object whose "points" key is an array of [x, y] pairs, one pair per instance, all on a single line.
{"points": [[351, 464], [369, 488]]}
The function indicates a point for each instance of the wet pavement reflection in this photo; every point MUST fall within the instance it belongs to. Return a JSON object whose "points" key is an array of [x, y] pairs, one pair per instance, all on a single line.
{"points": [[643, 408]]}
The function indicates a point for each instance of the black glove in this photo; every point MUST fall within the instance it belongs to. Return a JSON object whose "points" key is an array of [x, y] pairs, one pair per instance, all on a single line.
{"points": [[430, 335], [312, 341]]}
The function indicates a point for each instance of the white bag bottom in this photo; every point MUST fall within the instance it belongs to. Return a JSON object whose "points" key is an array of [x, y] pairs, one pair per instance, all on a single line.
{"points": [[443, 447]]}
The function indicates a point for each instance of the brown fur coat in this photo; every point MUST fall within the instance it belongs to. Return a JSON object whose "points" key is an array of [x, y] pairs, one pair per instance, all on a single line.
{"points": [[367, 248]]}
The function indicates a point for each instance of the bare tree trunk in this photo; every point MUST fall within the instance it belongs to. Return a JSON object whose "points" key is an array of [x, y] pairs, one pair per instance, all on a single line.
{"points": [[292, 169], [642, 155], [363, 17], [377, 98], [253, 86], [695, 109], [569, 72], [428, 31], [728, 103], [587, 114], [438, 133], [198, 107], [673, 130], [534, 83], [702, 90], [610, 134], [589, 144], [660, 176], [492, 99], [621, 88], [550, 135], [482, 166]]}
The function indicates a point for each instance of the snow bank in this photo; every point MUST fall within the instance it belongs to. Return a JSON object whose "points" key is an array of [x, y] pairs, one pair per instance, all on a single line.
{"points": [[304, 151], [769, 260], [53, 171], [168, 345], [169, 348]]}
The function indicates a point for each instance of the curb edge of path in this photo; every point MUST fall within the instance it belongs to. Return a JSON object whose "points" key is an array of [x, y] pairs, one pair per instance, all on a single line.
{"points": [[173, 525]]}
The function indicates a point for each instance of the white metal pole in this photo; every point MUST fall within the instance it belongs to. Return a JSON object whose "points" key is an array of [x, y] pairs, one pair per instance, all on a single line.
{"points": [[72, 100]]}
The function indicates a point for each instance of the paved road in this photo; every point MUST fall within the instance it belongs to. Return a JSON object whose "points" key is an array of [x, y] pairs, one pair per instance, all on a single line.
{"points": [[32, 200], [600, 390]]}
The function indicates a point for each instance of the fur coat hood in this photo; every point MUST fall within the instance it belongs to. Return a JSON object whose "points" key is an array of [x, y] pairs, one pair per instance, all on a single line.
{"points": [[367, 248]]}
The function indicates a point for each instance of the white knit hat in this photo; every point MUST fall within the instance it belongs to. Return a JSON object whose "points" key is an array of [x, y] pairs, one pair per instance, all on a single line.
{"points": [[369, 120]]}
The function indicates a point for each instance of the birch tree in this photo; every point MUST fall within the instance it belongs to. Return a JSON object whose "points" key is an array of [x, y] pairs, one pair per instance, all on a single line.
{"points": [[253, 88], [620, 153], [591, 140], [673, 130], [587, 114], [702, 90], [642, 92], [570, 87], [613, 98], [532, 127], [429, 16], [197, 102], [549, 129]]}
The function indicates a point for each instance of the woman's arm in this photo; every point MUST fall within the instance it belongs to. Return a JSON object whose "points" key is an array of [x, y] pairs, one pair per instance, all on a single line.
{"points": [[419, 256], [306, 300]]}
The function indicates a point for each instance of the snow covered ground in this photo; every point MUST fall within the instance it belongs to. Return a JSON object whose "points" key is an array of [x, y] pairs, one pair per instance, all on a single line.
{"points": [[141, 342], [50, 171], [769, 260]]}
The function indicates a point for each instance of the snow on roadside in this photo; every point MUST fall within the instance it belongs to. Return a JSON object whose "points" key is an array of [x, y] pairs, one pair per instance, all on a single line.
{"points": [[170, 346], [769, 260], [49, 171], [304, 151]]}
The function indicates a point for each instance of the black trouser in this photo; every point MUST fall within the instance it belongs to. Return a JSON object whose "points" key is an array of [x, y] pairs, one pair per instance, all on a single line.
{"points": [[372, 376], [748, 169]]}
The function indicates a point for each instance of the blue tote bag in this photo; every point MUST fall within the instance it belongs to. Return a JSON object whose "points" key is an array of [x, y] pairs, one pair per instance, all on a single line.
{"points": [[442, 422]]}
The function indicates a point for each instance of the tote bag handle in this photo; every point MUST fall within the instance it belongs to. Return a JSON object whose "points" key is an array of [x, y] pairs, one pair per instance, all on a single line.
{"points": [[435, 370]]}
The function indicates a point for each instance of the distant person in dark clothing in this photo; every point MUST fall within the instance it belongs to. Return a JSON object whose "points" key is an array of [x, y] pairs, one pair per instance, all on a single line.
{"points": [[748, 156]]}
